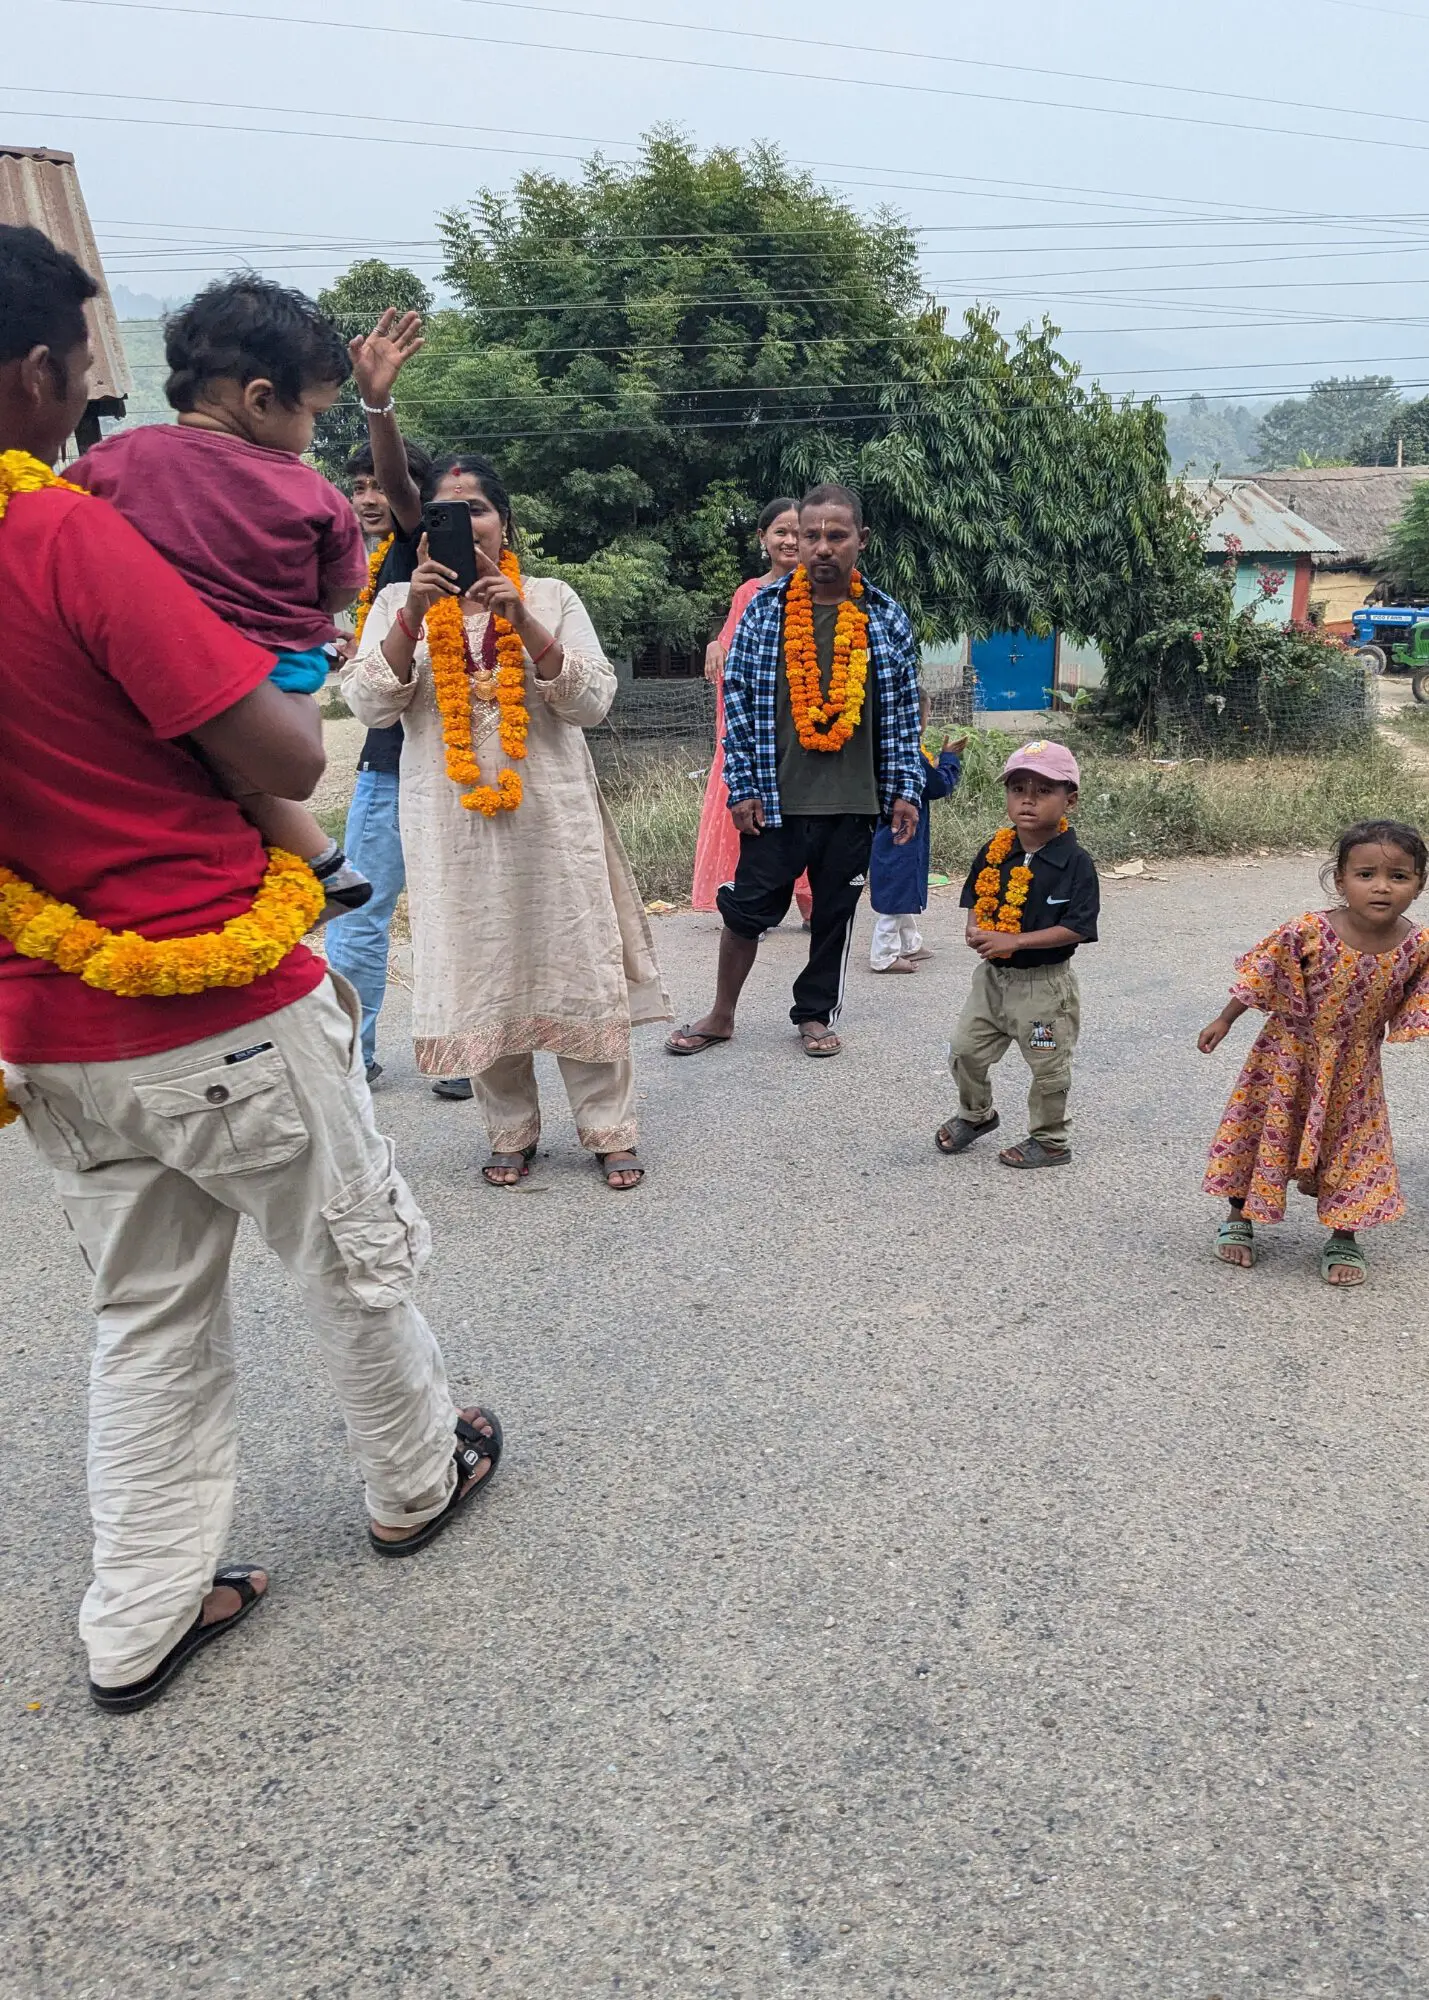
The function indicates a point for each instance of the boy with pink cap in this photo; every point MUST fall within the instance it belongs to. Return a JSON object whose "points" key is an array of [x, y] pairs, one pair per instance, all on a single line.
{"points": [[1032, 897]]}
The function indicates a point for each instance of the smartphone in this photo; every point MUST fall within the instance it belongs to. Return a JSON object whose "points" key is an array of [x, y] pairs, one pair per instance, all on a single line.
{"points": [[448, 529]]}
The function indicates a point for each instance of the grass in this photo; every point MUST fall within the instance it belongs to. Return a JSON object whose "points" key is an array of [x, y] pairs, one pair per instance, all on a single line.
{"points": [[1410, 721], [1129, 807]]}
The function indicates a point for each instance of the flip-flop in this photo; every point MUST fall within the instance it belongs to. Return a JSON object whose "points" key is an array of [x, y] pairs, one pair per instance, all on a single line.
{"points": [[1235, 1233], [701, 1040], [960, 1133], [1032, 1153], [827, 1035], [138, 1694], [471, 1449], [1348, 1254]]}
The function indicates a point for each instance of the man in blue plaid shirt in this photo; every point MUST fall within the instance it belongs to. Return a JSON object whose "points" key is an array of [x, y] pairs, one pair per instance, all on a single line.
{"points": [[797, 808]]}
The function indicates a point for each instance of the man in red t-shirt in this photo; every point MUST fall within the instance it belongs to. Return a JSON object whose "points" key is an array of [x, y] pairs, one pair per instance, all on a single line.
{"points": [[166, 1120]]}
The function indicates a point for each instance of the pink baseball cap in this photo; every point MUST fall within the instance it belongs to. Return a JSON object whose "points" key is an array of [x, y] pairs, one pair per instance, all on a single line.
{"points": [[1048, 760]]}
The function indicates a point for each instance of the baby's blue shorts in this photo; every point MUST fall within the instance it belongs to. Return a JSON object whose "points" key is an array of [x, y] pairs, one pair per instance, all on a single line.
{"points": [[302, 673]]}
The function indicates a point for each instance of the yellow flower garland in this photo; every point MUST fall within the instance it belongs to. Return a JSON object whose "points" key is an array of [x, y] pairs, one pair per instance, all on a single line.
{"points": [[993, 910], [825, 721], [369, 589], [286, 906], [451, 683]]}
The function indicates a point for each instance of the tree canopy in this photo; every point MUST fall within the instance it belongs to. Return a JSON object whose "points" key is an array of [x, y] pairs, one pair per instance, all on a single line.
{"points": [[1329, 423], [1404, 565], [652, 350]]}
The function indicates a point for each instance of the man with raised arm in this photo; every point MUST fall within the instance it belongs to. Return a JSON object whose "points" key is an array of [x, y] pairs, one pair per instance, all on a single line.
{"points": [[822, 730], [205, 1066]]}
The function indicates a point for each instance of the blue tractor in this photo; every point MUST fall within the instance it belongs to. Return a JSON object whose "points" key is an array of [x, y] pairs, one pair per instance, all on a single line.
{"points": [[1395, 636]]}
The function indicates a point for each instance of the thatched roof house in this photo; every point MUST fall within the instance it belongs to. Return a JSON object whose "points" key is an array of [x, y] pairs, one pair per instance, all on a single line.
{"points": [[1356, 505]]}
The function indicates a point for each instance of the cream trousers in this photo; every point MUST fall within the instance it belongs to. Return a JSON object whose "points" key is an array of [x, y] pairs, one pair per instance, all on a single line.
{"points": [[602, 1097], [155, 1161]]}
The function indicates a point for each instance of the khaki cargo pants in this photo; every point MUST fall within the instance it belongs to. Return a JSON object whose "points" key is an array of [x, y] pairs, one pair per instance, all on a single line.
{"points": [[156, 1160], [1039, 1008]]}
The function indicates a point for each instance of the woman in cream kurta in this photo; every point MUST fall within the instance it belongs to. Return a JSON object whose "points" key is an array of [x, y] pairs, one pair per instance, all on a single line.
{"points": [[528, 930]]}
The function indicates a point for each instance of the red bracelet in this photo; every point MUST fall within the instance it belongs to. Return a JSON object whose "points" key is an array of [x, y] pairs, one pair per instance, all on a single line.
{"points": [[543, 652], [406, 627]]}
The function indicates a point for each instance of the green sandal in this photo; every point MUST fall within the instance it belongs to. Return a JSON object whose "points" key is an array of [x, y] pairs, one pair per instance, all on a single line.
{"points": [[1235, 1233], [1337, 1251]]}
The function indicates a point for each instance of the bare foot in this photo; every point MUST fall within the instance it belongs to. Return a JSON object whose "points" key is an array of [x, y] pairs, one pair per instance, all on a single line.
{"points": [[898, 965]]}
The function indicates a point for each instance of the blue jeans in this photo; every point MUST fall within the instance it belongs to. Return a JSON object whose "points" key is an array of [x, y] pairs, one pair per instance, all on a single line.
{"points": [[357, 945]]}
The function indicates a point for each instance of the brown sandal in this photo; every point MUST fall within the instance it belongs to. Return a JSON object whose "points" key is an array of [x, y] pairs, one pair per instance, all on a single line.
{"points": [[505, 1163]]}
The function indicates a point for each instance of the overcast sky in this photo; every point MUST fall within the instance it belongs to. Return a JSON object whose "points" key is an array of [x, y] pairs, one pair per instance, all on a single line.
{"points": [[1244, 229]]}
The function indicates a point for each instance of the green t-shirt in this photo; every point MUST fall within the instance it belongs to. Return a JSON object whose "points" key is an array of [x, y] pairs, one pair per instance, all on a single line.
{"points": [[822, 783]]}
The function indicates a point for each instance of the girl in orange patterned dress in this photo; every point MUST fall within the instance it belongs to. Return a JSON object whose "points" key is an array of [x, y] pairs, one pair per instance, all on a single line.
{"points": [[1309, 1104]]}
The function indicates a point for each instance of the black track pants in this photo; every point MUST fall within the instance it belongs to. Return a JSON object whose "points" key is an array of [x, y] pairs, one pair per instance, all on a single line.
{"points": [[835, 850]]}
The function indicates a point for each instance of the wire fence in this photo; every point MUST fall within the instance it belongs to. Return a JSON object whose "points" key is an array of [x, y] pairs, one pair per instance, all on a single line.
{"points": [[656, 720], [1251, 716]]}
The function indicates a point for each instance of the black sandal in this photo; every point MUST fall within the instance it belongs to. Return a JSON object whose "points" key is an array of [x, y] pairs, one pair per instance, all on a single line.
{"points": [[630, 1166], [471, 1449], [138, 1694], [958, 1134]]}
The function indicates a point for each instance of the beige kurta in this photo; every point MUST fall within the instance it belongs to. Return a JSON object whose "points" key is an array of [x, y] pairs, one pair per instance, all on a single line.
{"points": [[528, 931]]}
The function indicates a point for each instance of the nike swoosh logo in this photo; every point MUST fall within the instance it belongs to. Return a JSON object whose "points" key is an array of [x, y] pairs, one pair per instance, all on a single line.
{"points": [[1053, 900]]}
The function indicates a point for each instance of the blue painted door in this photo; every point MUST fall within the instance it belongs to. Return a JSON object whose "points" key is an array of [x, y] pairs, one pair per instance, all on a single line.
{"points": [[1014, 670]]}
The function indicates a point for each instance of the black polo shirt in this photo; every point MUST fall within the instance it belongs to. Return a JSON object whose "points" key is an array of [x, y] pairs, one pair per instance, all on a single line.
{"points": [[1064, 890], [382, 750]]}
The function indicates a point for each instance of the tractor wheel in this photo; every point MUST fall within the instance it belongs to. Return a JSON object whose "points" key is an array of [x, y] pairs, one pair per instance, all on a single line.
{"points": [[1374, 657], [1420, 685]]}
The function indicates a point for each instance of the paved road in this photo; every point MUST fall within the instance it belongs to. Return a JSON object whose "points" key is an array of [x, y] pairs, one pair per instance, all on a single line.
{"points": [[906, 1581]]}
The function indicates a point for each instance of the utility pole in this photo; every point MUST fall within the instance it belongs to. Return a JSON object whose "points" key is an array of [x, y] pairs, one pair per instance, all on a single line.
{"points": [[1400, 460]]}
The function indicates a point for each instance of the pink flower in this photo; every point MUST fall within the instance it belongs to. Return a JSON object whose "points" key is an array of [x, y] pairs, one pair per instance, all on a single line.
{"points": [[1198, 637]]}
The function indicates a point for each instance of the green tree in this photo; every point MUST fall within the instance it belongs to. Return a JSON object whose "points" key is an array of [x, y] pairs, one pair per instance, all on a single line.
{"points": [[653, 350], [1001, 490], [356, 301], [1404, 564], [1328, 422], [1406, 432]]}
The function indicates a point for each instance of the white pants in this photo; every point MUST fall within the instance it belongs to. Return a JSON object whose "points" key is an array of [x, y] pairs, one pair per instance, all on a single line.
{"points": [[893, 937], [155, 1161]]}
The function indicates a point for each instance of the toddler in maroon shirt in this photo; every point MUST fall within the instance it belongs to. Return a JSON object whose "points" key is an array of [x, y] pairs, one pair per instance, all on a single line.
{"points": [[224, 494]]}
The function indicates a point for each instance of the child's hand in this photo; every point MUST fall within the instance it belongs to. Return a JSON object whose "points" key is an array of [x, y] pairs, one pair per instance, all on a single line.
{"points": [[957, 744], [1210, 1039], [379, 357], [991, 944]]}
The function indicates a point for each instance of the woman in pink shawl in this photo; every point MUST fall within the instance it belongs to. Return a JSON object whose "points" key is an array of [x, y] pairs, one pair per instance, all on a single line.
{"points": [[717, 847]]}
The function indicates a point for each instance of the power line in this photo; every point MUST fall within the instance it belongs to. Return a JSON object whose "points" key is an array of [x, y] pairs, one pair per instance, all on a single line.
{"points": [[747, 69], [526, 7]]}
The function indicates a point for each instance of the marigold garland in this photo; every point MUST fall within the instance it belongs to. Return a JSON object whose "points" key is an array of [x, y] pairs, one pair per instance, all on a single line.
{"points": [[286, 907], [369, 589], [452, 670], [995, 910], [825, 721]]}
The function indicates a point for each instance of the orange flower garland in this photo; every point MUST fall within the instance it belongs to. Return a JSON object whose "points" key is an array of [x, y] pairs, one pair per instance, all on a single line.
{"points": [[993, 910], [369, 589], [451, 660], [825, 721]]}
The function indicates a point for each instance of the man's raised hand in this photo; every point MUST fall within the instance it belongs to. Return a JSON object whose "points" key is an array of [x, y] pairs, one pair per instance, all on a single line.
{"points": [[379, 357]]}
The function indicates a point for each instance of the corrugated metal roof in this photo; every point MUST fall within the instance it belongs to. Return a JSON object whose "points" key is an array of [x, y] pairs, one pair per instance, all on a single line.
{"points": [[42, 189], [1263, 525]]}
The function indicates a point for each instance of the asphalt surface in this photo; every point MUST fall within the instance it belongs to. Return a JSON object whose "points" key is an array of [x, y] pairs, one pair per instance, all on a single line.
{"points": [[905, 1579]]}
